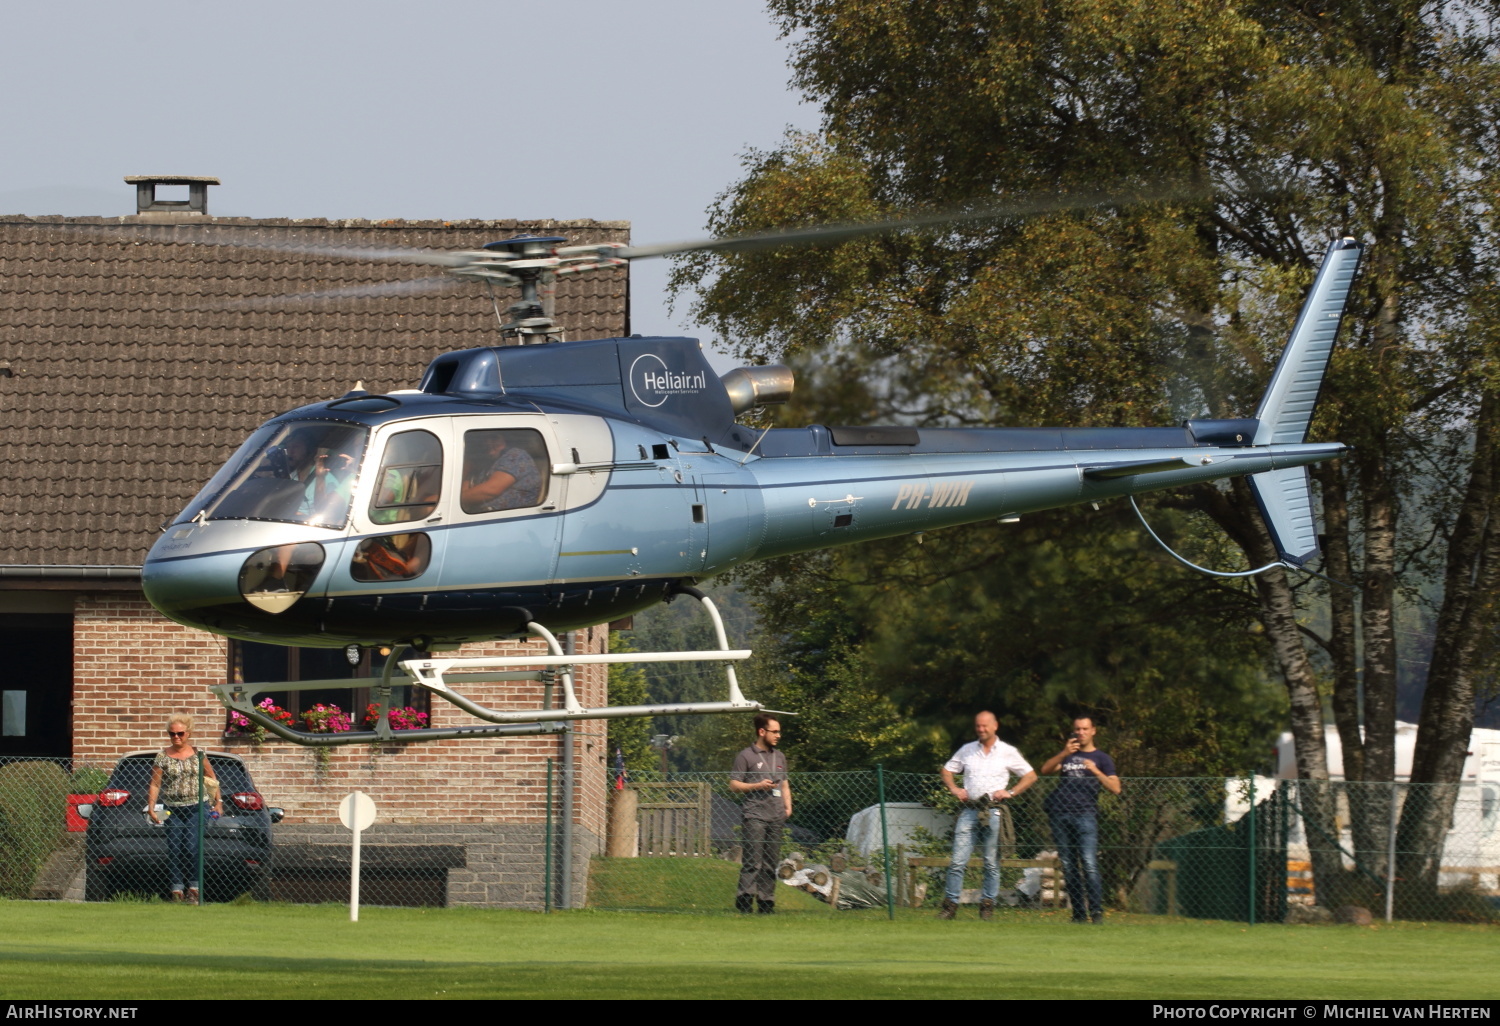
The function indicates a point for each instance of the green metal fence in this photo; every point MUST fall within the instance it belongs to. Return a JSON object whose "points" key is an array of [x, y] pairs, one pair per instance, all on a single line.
{"points": [[76, 832], [862, 842], [1254, 849]]}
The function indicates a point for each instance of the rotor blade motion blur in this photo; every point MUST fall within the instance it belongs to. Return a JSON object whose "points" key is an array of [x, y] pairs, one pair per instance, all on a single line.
{"points": [[416, 286], [827, 234]]}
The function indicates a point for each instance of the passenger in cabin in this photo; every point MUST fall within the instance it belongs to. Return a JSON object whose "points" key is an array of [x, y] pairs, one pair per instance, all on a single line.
{"points": [[407, 495], [498, 475], [391, 557]]}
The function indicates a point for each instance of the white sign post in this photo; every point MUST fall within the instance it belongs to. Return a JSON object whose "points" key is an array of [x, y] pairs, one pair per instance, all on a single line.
{"points": [[356, 812]]}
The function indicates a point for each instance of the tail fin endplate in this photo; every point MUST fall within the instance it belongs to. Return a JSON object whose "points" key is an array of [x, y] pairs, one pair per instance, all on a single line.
{"points": [[1285, 496]]}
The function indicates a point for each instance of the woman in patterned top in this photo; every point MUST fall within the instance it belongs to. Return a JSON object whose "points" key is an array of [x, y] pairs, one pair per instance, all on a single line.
{"points": [[174, 776]]}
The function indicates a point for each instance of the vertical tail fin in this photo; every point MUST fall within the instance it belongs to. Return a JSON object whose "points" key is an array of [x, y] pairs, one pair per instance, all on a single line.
{"points": [[1285, 496], [1287, 407]]}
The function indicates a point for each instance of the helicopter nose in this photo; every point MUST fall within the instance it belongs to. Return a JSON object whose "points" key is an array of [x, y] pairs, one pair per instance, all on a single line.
{"points": [[272, 580]]}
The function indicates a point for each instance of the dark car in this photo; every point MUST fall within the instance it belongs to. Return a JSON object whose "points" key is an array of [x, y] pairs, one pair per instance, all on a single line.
{"points": [[126, 853]]}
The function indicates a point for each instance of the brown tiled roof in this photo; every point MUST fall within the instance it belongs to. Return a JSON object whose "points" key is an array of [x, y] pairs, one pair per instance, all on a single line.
{"points": [[128, 374]]}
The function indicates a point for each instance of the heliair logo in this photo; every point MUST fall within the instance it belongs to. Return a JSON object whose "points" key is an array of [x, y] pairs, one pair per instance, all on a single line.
{"points": [[653, 383]]}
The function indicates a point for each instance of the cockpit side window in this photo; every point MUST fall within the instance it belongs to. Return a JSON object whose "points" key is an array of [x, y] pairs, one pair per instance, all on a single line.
{"points": [[504, 468], [410, 482]]}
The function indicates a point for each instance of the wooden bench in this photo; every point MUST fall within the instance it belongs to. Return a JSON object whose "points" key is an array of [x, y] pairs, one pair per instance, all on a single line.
{"points": [[906, 877]]}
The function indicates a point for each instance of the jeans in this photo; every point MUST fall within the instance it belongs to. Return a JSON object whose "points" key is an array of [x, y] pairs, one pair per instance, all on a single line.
{"points": [[963, 846], [760, 852], [182, 844], [1077, 837]]}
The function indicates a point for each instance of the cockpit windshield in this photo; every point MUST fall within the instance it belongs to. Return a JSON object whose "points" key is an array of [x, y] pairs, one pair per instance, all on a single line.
{"points": [[300, 472]]}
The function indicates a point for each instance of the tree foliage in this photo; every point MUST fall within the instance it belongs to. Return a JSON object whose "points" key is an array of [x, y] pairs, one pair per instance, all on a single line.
{"points": [[630, 738], [1290, 123]]}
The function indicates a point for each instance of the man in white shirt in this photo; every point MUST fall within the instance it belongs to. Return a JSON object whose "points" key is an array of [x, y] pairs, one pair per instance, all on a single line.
{"points": [[987, 766]]}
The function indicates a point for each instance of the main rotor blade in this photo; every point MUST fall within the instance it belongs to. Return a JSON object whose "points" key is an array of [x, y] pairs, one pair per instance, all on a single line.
{"points": [[415, 286], [237, 237], [823, 234]]}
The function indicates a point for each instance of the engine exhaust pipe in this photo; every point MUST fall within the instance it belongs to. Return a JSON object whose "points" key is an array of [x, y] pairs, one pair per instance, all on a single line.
{"points": [[749, 387]]}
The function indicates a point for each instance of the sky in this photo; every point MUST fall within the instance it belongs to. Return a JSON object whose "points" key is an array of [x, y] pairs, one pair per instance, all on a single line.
{"points": [[636, 110]]}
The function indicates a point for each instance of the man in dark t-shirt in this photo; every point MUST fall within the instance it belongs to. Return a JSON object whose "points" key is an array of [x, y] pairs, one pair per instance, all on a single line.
{"points": [[1072, 810], [759, 775]]}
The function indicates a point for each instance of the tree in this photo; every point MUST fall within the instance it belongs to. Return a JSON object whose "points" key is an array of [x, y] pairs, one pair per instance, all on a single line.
{"points": [[1296, 122], [683, 626], [1062, 615], [631, 737]]}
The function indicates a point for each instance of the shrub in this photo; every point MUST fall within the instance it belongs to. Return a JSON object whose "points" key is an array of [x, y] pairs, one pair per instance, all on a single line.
{"points": [[33, 821]]}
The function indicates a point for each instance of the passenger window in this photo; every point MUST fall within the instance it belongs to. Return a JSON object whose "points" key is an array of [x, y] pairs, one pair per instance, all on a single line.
{"points": [[410, 480], [503, 469], [391, 557]]}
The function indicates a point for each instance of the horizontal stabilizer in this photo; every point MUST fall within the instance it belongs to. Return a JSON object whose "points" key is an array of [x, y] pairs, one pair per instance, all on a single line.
{"points": [[1287, 407], [1285, 501]]}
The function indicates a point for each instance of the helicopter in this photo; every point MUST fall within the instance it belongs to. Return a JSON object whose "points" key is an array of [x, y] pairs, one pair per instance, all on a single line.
{"points": [[540, 485]]}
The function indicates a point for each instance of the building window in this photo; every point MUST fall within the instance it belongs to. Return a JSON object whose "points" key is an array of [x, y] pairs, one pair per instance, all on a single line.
{"points": [[254, 663]]}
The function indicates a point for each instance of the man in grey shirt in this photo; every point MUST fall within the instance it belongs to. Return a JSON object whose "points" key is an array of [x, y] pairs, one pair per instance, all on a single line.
{"points": [[759, 775]]}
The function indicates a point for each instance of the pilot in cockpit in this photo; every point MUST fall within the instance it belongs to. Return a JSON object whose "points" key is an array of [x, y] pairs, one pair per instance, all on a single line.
{"points": [[328, 475]]}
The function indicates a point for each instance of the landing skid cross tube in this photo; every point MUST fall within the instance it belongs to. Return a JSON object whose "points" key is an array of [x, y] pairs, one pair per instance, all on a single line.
{"points": [[431, 673]]}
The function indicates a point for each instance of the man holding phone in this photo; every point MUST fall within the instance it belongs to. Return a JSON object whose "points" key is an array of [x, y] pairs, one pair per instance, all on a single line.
{"points": [[1072, 810], [759, 775]]}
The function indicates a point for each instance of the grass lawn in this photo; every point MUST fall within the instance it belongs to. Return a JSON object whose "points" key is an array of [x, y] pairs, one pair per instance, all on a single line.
{"points": [[124, 951], [682, 885]]}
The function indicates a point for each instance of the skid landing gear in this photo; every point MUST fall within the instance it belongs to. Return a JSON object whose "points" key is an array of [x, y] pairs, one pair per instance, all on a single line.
{"points": [[440, 676]]}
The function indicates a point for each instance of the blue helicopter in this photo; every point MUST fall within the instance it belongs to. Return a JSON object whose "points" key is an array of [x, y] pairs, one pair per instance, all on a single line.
{"points": [[539, 486]]}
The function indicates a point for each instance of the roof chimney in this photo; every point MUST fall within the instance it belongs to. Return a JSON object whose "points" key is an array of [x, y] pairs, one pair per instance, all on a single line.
{"points": [[196, 205]]}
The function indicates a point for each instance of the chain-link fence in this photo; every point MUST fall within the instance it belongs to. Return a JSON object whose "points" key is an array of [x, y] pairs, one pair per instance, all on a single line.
{"points": [[75, 832], [1251, 849], [1255, 850]]}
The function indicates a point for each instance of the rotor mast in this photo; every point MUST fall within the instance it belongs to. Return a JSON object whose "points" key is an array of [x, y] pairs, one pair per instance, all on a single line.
{"points": [[534, 263]]}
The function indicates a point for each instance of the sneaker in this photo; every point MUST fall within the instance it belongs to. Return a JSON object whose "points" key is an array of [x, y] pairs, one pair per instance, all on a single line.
{"points": [[744, 903], [1080, 920], [176, 897], [948, 911], [1098, 918], [766, 907], [986, 910], [192, 895]]}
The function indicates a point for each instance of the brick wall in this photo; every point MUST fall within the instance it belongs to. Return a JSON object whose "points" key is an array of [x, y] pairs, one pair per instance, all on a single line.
{"points": [[133, 668]]}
